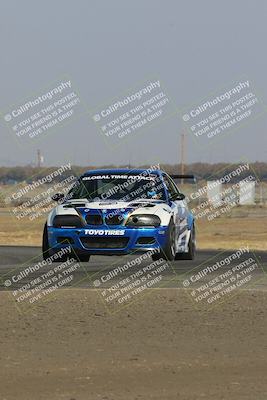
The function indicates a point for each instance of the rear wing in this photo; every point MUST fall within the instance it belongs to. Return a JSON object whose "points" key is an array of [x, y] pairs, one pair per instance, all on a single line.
{"points": [[175, 176]]}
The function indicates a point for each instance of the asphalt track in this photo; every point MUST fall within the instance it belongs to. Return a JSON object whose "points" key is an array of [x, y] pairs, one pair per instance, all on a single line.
{"points": [[14, 259]]}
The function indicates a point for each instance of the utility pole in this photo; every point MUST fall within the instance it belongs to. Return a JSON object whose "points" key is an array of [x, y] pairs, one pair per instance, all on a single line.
{"points": [[182, 155], [40, 158]]}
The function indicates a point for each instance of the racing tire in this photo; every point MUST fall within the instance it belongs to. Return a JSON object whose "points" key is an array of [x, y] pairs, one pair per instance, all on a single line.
{"points": [[168, 252], [156, 256], [45, 244], [83, 258], [46, 250], [191, 247]]}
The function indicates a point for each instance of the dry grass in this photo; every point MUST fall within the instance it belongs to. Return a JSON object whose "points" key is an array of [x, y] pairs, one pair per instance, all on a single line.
{"points": [[20, 232], [231, 233], [221, 233]]}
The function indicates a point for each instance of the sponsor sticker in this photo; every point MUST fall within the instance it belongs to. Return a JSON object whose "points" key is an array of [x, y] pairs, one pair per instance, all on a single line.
{"points": [[104, 232]]}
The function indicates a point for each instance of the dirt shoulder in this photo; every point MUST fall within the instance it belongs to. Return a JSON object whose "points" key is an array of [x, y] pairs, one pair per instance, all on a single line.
{"points": [[159, 348]]}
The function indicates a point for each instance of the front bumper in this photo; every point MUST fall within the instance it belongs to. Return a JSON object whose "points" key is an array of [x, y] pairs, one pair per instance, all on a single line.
{"points": [[105, 241]]}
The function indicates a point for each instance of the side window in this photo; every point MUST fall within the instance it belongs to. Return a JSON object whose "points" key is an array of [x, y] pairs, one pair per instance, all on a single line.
{"points": [[172, 189]]}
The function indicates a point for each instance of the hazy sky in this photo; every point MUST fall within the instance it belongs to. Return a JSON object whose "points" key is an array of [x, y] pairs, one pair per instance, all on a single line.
{"points": [[108, 47]]}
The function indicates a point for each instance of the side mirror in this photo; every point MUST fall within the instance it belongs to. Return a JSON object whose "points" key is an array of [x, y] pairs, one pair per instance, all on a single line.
{"points": [[58, 197], [178, 196]]}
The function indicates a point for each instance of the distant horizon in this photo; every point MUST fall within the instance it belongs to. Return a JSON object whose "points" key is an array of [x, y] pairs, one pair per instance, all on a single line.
{"points": [[125, 165]]}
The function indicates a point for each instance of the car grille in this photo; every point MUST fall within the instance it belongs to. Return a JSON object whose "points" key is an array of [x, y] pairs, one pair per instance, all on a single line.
{"points": [[104, 242], [146, 240], [114, 220], [65, 240], [94, 219]]}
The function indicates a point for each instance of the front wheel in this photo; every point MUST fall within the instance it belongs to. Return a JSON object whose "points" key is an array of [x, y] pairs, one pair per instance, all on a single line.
{"points": [[191, 247], [45, 244], [83, 257], [46, 249], [168, 252]]}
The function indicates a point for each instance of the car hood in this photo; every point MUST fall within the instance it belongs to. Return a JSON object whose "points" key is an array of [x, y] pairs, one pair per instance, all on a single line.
{"points": [[112, 204], [83, 206]]}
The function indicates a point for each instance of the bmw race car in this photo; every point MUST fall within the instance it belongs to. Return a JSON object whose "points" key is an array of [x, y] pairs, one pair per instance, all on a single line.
{"points": [[122, 211]]}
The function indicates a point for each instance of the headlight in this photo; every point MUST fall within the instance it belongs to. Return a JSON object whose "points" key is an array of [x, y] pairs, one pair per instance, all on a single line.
{"points": [[143, 220], [67, 221]]}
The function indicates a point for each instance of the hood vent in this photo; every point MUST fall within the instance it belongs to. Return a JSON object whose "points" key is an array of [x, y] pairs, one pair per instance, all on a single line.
{"points": [[73, 205]]}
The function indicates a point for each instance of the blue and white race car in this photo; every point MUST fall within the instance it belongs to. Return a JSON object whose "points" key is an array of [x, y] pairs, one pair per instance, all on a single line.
{"points": [[122, 211]]}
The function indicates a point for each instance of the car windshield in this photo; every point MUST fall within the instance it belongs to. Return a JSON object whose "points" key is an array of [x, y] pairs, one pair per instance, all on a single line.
{"points": [[124, 187]]}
